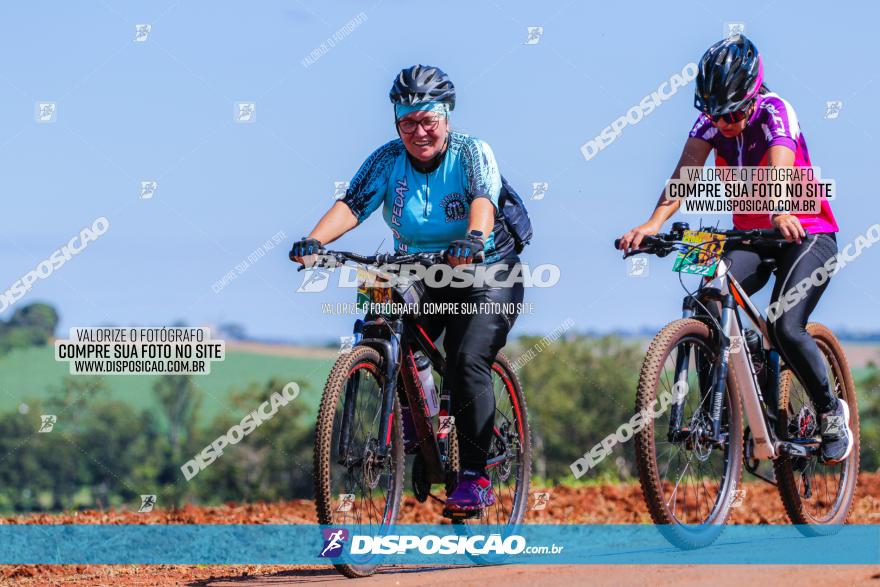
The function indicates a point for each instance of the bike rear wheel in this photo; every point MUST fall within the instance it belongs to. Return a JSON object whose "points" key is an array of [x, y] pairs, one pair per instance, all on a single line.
{"points": [[689, 482], [353, 484], [509, 463], [817, 497]]}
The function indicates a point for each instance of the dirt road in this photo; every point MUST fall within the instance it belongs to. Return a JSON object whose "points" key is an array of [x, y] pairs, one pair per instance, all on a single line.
{"points": [[595, 576], [617, 504]]}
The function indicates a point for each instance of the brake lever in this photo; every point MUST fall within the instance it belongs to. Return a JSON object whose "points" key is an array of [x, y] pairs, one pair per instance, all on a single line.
{"points": [[319, 263]]}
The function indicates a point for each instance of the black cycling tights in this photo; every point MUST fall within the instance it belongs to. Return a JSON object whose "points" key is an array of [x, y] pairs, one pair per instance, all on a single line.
{"points": [[794, 262], [471, 342]]}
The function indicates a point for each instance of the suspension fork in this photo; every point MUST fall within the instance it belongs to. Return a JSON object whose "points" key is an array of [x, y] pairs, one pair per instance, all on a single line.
{"points": [[676, 408], [719, 380], [389, 348], [348, 405], [349, 402], [392, 356]]}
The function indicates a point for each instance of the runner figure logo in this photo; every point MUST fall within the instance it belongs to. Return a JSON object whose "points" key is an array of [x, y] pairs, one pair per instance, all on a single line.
{"points": [[346, 343], [47, 112], [637, 267], [148, 189], [346, 502], [736, 344], [47, 422], [445, 427], [147, 503], [334, 540], [832, 109], [539, 189], [314, 281], [737, 497], [340, 187], [534, 35], [542, 498], [455, 207], [245, 112], [142, 32]]}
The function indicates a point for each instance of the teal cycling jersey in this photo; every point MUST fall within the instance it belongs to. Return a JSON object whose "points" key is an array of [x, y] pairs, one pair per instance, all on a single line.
{"points": [[426, 211]]}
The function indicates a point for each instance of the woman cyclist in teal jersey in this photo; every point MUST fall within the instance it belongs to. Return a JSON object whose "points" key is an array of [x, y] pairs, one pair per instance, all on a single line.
{"points": [[440, 191], [748, 125]]}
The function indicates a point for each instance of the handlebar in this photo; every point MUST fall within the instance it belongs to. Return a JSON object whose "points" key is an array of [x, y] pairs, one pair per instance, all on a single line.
{"points": [[662, 244], [378, 259]]}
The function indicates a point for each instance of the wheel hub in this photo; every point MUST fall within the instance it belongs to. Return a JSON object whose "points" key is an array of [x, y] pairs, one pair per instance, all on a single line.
{"points": [[807, 423], [700, 437], [371, 465], [502, 443]]}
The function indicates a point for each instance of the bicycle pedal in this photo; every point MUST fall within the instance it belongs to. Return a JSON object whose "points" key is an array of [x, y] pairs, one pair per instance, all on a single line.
{"points": [[458, 515]]}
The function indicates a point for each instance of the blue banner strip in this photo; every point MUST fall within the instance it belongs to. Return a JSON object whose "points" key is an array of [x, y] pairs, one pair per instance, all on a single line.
{"points": [[434, 544]]}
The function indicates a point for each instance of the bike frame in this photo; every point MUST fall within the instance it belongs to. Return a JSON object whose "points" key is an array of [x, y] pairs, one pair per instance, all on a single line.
{"points": [[728, 297], [397, 340]]}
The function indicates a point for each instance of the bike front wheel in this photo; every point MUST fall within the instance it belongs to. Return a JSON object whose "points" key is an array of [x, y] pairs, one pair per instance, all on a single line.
{"points": [[354, 483], [689, 479]]}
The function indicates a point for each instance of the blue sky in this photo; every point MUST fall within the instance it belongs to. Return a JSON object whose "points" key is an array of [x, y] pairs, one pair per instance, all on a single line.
{"points": [[163, 110]]}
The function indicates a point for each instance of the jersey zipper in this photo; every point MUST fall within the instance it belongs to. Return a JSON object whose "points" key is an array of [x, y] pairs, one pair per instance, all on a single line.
{"points": [[739, 147], [427, 194]]}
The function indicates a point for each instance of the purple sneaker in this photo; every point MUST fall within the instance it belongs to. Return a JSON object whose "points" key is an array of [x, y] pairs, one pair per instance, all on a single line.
{"points": [[472, 494]]}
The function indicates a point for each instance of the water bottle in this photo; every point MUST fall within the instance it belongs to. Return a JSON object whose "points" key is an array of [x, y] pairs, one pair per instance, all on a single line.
{"points": [[426, 377]]}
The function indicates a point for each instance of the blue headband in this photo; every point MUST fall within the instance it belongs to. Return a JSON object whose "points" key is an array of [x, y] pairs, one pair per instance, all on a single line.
{"points": [[401, 110]]}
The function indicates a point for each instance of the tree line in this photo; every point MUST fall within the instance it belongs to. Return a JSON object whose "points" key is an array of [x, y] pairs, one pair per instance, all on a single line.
{"points": [[102, 452]]}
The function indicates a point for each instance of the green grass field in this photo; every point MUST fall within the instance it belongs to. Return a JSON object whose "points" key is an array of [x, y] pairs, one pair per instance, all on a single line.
{"points": [[28, 374]]}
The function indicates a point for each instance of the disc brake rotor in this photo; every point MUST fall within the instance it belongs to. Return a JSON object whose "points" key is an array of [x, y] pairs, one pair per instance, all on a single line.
{"points": [[807, 423], [702, 448], [502, 444], [371, 466]]}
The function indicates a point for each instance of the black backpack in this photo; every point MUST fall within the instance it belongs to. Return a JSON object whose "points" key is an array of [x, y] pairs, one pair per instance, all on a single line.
{"points": [[516, 217]]}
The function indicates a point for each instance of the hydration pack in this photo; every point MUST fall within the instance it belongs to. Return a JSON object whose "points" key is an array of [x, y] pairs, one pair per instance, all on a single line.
{"points": [[516, 217]]}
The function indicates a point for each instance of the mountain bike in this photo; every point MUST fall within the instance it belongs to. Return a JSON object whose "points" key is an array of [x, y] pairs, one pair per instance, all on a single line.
{"points": [[706, 369], [360, 446]]}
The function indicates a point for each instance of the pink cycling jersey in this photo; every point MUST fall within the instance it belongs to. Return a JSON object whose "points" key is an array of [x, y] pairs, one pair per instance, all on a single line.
{"points": [[773, 123]]}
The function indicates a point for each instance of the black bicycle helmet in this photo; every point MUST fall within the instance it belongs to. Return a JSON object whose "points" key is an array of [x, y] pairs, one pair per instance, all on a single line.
{"points": [[729, 76], [422, 83]]}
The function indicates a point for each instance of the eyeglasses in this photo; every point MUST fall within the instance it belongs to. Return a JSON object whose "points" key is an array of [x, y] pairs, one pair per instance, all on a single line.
{"points": [[732, 117], [408, 126]]}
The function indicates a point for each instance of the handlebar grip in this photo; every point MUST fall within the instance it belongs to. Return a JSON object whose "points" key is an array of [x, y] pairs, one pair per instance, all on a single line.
{"points": [[647, 242], [773, 233]]}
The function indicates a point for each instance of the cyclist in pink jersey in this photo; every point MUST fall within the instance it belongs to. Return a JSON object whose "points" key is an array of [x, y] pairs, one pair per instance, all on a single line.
{"points": [[747, 125], [771, 122]]}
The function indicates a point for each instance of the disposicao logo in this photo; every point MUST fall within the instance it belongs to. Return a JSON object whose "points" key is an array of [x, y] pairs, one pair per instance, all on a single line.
{"points": [[334, 540]]}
